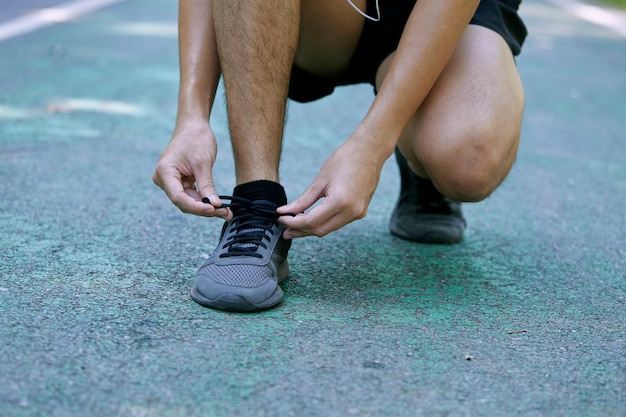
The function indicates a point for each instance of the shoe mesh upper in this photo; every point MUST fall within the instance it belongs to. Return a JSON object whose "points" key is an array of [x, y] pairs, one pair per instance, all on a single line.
{"points": [[246, 237], [238, 275]]}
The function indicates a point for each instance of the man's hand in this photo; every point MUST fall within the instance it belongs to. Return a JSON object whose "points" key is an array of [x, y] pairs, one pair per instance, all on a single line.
{"points": [[346, 182], [184, 171]]}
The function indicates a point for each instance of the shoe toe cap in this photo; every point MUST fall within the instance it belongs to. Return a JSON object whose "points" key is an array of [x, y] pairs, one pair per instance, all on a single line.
{"points": [[438, 229], [231, 292]]}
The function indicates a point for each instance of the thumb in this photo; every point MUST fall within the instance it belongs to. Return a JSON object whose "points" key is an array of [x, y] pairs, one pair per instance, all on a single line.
{"points": [[310, 196], [206, 187]]}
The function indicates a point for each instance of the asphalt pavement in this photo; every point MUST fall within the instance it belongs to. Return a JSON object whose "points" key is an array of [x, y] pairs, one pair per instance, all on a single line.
{"points": [[525, 317]]}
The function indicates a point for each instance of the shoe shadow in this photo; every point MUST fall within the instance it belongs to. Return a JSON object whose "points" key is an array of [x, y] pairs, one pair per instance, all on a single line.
{"points": [[362, 272]]}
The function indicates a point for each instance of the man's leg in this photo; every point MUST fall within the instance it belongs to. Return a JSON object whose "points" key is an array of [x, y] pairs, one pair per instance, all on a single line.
{"points": [[465, 135], [256, 43]]}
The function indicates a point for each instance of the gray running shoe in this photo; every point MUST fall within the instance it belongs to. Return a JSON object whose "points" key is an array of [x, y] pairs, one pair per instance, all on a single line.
{"points": [[250, 260], [422, 213]]}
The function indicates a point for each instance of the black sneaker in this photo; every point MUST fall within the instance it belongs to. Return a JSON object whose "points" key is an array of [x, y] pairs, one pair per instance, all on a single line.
{"points": [[249, 262], [422, 213]]}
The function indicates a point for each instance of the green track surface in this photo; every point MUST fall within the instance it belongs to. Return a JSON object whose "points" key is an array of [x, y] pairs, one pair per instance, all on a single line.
{"points": [[527, 316]]}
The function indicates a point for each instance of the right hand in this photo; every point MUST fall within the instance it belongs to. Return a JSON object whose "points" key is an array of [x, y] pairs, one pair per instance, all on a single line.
{"points": [[346, 183], [184, 171]]}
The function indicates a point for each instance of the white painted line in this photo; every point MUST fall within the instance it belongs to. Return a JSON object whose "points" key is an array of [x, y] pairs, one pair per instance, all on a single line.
{"points": [[612, 19], [50, 16]]}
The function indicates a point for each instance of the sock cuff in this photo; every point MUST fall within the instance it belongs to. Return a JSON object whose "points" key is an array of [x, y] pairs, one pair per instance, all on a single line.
{"points": [[262, 190]]}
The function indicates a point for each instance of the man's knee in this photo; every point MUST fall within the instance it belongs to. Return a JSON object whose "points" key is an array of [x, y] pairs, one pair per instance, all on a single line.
{"points": [[471, 182], [470, 169]]}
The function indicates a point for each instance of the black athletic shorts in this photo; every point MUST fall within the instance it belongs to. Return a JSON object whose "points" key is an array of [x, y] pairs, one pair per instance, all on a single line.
{"points": [[380, 39]]}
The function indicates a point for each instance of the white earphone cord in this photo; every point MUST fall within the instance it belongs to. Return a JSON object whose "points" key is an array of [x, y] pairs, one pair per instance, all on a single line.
{"points": [[365, 15]]}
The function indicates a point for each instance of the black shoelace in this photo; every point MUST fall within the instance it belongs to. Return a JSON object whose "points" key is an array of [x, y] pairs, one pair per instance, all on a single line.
{"points": [[252, 226]]}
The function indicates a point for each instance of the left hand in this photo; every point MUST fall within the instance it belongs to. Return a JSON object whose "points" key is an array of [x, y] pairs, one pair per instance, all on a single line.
{"points": [[346, 182]]}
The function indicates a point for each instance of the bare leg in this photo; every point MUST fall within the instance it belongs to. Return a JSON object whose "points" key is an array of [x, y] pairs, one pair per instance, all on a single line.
{"points": [[465, 135], [256, 43]]}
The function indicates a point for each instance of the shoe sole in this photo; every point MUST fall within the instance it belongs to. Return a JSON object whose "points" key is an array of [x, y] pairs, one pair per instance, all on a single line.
{"points": [[235, 303], [433, 236]]}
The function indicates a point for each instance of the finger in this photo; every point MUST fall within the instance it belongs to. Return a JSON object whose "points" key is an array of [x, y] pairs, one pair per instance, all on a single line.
{"points": [[206, 186], [221, 212], [208, 193], [320, 221], [332, 225], [184, 196], [213, 199], [310, 196]]}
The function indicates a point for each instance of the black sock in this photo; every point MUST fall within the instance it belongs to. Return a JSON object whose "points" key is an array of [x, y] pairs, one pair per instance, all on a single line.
{"points": [[262, 190]]}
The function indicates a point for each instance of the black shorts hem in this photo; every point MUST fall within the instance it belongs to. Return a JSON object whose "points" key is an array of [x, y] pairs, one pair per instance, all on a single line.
{"points": [[380, 39]]}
